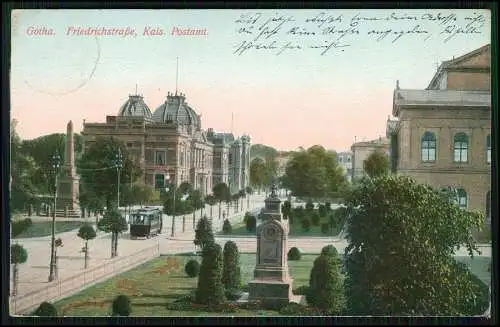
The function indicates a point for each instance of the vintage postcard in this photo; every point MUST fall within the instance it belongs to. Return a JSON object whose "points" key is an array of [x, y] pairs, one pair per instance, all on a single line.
{"points": [[180, 163]]}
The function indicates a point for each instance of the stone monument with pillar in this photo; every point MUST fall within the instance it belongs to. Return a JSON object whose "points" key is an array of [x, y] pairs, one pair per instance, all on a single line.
{"points": [[68, 187], [272, 284]]}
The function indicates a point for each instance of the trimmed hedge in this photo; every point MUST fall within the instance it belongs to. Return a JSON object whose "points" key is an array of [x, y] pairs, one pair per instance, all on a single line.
{"points": [[294, 254], [192, 268]]}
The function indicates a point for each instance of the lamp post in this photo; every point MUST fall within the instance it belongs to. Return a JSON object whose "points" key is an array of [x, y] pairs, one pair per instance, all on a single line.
{"points": [[172, 183], [118, 164], [56, 163]]}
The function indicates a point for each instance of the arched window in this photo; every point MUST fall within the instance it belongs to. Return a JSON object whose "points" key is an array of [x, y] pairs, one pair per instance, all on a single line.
{"points": [[428, 147], [488, 204], [462, 198], [488, 148], [460, 147]]}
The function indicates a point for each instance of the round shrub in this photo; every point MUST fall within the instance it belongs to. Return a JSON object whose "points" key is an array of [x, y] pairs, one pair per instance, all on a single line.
{"points": [[294, 254], [233, 294], [306, 224], [226, 227], [251, 224], [315, 218], [46, 309], [329, 250], [121, 306], [192, 268], [231, 274], [325, 228], [326, 285]]}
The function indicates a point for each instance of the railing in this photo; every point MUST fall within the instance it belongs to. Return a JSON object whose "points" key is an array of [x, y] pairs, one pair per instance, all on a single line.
{"points": [[66, 287]]}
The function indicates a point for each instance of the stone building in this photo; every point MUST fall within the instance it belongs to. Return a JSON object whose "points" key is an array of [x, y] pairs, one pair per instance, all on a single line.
{"points": [[345, 161], [170, 145], [362, 150], [442, 135]]}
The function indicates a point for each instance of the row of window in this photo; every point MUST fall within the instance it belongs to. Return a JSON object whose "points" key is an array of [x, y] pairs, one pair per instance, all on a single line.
{"points": [[462, 200], [460, 147]]}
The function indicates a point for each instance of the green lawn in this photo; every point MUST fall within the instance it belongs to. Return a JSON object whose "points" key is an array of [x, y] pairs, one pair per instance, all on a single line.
{"points": [[44, 228], [154, 284], [296, 229]]}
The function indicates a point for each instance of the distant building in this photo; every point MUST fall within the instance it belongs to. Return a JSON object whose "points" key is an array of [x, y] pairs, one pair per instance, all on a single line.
{"points": [[345, 161], [362, 150], [170, 145], [442, 135]]}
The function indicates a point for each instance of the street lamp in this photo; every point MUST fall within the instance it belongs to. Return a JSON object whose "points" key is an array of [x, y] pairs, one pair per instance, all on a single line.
{"points": [[56, 163], [118, 165], [167, 178]]}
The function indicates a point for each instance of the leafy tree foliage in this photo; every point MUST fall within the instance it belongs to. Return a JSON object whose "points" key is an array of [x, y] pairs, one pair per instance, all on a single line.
{"points": [[326, 287], [210, 290], [376, 164], [309, 206], [294, 254], [286, 209], [211, 201], [306, 224], [322, 211], [315, 218], [313, 173], [248, 191], [114, 223], [203, 234], [231, 275], [86, 233], [18, 255], [46, 309], [329, 250], [221, 193], [121, 306], [262, 172], [101, 182], [261, 150], [414, 230], [187, 199], [192, 268]]}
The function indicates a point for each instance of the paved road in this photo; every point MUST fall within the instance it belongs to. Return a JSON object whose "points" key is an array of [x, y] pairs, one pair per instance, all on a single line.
{"points": [[33, 274]]}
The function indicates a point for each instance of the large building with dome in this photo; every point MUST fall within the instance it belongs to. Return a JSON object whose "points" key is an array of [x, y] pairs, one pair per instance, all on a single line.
{"points": [[170, 146]]}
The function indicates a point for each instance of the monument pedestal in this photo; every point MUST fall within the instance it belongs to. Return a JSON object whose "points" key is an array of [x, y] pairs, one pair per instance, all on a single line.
{"points": [[272, 285]]}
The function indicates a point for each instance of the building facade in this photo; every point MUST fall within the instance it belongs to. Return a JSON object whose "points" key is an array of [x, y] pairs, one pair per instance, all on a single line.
{"points": [[170, 146], [442, 135], [362, 150], [345, 161]]}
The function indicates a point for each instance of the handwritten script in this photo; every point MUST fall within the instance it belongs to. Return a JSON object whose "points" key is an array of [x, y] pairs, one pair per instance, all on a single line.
{"points": [[327, 32]]}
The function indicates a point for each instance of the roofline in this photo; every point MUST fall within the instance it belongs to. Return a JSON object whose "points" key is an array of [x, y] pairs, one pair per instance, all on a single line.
{"points": [[446, 63]]}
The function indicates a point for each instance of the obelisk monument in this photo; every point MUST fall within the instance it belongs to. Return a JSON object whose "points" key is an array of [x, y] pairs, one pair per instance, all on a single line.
{"points": [[272, 283], [69, 183]]}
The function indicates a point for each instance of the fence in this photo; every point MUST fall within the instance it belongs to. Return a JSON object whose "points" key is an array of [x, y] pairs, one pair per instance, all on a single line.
{"points": [[66, 287]]}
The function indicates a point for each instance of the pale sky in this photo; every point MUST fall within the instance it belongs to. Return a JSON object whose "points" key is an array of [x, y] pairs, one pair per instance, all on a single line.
{"points": [[297, 98]]}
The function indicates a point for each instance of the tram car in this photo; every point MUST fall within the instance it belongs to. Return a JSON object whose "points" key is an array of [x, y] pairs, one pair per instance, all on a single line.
{"points": [[145, 222]]}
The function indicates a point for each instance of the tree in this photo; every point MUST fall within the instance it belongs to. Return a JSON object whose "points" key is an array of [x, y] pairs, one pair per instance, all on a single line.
{"points": [[45, 309], [257, 173], [414, 229], [221, 193], [241, 195], [251, 223], [313, 173], [203, 234], [326, 288], [142, 194], [286, 209], [86, 233], [113, 222], [226, 227], [121, 306], [210, 290], [97, 168], [322, 210], [18, 255], [236, 199], [231, 275], [376, 164], [211, 201], [261, 150], [330, 250]]}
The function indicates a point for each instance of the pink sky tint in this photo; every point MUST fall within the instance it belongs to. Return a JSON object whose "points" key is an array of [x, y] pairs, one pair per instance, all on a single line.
{"points": [[286, 101]]}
